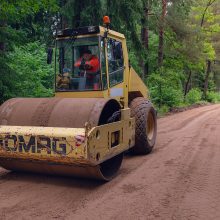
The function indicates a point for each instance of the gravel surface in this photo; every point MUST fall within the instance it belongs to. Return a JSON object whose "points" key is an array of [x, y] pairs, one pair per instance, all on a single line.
{"points": [[179, 180]]}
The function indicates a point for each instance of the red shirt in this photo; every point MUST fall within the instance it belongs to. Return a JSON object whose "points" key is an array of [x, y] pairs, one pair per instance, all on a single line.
{"points": [[93, 63]]}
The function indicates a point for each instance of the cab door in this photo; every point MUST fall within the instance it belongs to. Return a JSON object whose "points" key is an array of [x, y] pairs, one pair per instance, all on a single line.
{"points": [[115, 62]]}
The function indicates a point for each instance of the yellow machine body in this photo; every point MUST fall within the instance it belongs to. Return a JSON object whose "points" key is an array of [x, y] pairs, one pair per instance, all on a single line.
{"points": [[66, 135], [82, 146], [132, 84]]}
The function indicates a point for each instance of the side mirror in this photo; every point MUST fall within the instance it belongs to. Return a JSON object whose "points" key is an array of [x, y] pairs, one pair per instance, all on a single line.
{"points": [[49, 55]]}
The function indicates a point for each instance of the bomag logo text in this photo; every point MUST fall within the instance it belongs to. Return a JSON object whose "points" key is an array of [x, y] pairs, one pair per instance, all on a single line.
{"points": [[33, 144]]}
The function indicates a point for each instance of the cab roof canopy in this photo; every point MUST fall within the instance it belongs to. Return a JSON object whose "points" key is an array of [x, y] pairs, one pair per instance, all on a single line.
{"points": [[87, 31], [78, 31]]}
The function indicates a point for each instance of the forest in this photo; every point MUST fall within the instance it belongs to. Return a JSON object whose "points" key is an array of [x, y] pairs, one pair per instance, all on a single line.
{"points": [[174, 45]]}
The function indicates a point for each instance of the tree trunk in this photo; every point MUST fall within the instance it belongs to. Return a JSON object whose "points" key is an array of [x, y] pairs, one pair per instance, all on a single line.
{"points": [[2, 43], [145, 39], [2, 46], [208, 71], [63, 19], [161, 34], [187, 84], [210, 3]]}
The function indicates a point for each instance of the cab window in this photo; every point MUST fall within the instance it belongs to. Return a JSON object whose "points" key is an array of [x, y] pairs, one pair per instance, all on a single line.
{"points": [[78, 64], [115, 62]]}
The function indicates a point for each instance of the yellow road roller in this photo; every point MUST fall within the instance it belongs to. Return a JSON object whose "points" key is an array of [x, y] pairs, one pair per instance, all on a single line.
{"points": [[101, 109]]}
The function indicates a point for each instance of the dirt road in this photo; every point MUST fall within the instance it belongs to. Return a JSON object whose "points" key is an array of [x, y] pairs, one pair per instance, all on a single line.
{"points": [[179, 180]]}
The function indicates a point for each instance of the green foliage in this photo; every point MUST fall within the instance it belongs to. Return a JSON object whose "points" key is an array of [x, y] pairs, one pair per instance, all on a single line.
{"points": [[22, 22], [152, 53], [7, 79], [163, 109], [34, 76], [209, 51], [17, 10], [134, 61], [191, 37], [166, 88], [82, 13], [170, 96], [213, 97], [194, 96]]}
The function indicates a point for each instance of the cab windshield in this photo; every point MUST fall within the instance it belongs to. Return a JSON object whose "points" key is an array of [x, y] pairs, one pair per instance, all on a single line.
{"points": [[77, 64]]}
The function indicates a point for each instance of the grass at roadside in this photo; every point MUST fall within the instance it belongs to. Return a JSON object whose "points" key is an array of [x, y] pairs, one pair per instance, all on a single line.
{"points": [[164, 110]]}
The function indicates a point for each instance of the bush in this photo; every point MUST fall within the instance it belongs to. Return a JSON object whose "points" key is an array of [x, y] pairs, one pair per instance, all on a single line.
{"points": [[167, 96], [166, 88], [194, 96], [213, 97], [34, 75], [163, 110]]}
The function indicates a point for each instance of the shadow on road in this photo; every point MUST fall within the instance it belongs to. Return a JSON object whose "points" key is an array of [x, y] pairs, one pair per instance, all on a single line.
{"points": [[49, 179], [129, 165]]}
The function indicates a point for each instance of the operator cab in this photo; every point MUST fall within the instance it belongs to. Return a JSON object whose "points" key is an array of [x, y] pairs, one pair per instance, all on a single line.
{"points": [[81, 60]]}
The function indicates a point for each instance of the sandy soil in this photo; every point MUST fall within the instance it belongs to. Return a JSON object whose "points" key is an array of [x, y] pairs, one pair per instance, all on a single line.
{"points": [[179, 180]]}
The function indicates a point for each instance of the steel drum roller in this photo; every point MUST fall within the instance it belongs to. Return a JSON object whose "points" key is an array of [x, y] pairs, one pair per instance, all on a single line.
{"points": [[65, 113]]}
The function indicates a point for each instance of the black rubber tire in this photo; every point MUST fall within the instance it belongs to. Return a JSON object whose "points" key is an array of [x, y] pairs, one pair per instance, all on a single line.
{"points": [[143, 111]]}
